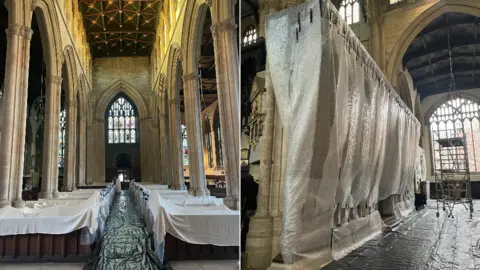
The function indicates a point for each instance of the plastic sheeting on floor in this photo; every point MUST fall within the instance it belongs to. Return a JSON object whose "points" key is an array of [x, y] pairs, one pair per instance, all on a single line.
{"points": [[352, 141], [125, 244]]}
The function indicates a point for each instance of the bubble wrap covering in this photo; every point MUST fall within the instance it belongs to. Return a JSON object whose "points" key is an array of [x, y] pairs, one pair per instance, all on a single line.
{"points": [[352, 141]]}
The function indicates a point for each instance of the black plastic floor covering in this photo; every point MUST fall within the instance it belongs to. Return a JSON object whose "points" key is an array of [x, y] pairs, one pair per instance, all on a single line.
{"points": [[422, 242], [126, 244]]}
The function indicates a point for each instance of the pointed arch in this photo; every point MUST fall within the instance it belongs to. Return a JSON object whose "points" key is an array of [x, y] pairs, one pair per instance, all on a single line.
{"points": [[115, 89], [71, 76], [47, 17], [394, 64], [192, 34]]}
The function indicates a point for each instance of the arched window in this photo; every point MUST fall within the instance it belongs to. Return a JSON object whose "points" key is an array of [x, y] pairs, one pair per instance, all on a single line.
{"points": [[122, 122], [208, 141], [452, 119], [250, 36], [185, 145], [61, 145], [350, 11], [395, 1]]}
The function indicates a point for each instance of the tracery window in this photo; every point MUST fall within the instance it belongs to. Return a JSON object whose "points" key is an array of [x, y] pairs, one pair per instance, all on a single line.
{"points": [[122, 120], [61, 145], [185, 145], [250, 36], [350, 11], [447, 121], [395, 1]]}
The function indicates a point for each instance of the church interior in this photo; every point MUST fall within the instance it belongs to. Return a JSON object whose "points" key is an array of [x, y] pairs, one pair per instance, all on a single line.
{"points": [[119, 134], [360, 134]]}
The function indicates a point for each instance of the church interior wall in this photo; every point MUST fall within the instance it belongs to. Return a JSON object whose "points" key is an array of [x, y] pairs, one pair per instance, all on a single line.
{"points": [[134, 70]]}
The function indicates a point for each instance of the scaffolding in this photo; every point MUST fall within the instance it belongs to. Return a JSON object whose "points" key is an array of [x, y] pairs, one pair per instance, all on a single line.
{"points": [[452, 174]]}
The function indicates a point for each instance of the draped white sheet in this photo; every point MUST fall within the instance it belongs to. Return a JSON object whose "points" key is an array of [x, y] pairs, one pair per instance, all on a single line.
{"points": [[351, 141], [60, 216]]}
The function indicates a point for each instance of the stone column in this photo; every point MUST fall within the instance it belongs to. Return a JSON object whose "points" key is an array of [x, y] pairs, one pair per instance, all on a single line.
{"points": [[70, 144], [259, 238], [90, 168], [166, 164], [226, 66], [178, 181], [193, 119], [14, 89], [82, 166], [21, 121], [51, 138]]}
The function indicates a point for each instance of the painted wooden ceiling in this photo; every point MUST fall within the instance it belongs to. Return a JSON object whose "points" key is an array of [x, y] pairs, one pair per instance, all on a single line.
{"points": [[120, 28]]}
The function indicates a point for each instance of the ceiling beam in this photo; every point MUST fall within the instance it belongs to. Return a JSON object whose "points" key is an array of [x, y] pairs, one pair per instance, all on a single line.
{"points": [[475, 50], [120, 15], [421, 64], [441, 77], [428, 55], [450, 53], [438, 47], [120, 32], [103, 16]]}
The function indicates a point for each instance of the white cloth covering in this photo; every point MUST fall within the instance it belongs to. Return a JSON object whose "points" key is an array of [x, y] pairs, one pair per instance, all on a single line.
{"points": [[58, 216], [343, 121], [214, 225]]}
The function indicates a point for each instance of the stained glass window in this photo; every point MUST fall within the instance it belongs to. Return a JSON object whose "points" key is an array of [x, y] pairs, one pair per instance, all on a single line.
{"points": [[250, 36], [61, 145], [121, 122], [350, 11], [185, 145]]}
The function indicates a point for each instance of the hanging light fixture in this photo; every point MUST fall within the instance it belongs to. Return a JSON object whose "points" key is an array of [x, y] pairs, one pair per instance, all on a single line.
{"points": [[202, 99]]}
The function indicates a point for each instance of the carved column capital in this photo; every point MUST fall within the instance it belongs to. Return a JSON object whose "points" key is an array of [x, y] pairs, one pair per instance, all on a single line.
{"points": [[208, 2], [227, 25], [54, 80], [28, 33], [15, 29]]}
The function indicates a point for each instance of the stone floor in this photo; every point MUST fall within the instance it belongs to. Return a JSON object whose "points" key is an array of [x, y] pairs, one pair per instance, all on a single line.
{"points": [[192, 265], [422, 242]]}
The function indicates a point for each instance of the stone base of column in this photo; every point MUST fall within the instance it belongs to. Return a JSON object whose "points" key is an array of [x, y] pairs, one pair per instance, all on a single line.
{"points": [[4, 203], [56, 194], [259, 243], [231, 202], [202, 192], [181, 187], [45, 195], [18, 204]]}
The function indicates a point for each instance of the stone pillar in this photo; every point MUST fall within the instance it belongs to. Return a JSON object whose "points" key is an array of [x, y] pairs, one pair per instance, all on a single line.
{"points": [[14, 101], [226, 66], [51, 138], [178, 181], [71, 144], [21, 121], [82, 166], [166, 164], [193, 119], [260, 235], [90, 168]]}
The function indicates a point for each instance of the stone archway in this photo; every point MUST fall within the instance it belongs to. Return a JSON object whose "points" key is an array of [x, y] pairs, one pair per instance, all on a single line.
{"points": [[394, 66], [96, 146]]}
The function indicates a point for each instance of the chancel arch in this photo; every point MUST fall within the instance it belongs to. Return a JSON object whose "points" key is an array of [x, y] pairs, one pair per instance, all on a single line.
{"points": [[127, 91]]}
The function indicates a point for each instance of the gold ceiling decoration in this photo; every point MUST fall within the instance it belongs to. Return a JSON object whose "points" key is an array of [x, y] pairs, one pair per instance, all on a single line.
{"points": [[120, 28]]}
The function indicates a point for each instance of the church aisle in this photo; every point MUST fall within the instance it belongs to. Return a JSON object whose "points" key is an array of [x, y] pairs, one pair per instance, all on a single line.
{"points": [[125, 244]]}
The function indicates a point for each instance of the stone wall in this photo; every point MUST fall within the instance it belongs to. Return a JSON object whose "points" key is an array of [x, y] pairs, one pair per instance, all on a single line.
{"points": [[134, 70]]}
